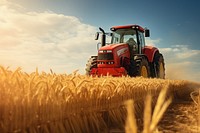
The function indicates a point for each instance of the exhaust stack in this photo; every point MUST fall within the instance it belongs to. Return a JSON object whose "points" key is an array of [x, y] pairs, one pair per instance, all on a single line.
{"points": [[103, 37]]}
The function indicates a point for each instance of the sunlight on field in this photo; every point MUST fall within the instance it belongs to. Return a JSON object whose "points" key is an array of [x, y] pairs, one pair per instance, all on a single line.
{"points": [[47, 102]]}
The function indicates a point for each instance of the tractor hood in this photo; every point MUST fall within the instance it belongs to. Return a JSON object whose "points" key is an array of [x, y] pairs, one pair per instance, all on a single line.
{"points": [[112, 55], [113, 46]]}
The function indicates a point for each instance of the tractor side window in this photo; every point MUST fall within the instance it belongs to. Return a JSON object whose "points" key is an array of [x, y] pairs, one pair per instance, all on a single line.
{"points": [[108, 39], [141, 39], [115, 38]]}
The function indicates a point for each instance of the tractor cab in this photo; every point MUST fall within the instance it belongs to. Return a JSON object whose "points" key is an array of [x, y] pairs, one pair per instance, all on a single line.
{"points": [[133, 35]]}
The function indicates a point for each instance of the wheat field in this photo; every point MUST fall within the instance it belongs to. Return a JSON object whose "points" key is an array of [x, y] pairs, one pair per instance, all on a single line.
{"points": [[73, 103]]}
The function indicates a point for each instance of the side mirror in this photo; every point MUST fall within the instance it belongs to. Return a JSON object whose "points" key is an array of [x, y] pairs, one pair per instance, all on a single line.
{"points": [[97, 36], [147, 33]]}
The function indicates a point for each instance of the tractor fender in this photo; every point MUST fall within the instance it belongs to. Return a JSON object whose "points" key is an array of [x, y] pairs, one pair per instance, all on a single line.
{"points": [[150, 51], [139, 56]]}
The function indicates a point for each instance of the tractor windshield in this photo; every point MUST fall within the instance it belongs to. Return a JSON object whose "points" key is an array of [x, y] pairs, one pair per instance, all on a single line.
{"points": [[123, 36]]}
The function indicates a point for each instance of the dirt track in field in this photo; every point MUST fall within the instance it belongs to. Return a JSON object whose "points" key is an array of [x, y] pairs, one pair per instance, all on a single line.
{"points": [[180, 117]]}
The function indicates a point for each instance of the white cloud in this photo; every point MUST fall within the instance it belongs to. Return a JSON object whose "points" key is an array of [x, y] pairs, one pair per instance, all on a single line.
{"points": [[44, 40], [152, 42], [182, 62], [184, 52], [181, 52]]}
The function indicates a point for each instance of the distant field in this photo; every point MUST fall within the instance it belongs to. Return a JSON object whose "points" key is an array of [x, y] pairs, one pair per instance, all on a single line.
{"points": [[64, 103]]}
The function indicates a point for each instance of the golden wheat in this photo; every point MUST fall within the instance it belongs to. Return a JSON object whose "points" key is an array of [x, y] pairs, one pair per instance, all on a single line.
{"points": [[198, 122], [195, 95], [48, 102]]}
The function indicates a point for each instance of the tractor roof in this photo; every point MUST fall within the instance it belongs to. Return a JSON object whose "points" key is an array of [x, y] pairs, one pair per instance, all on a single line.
{"points": [[128, 27]]}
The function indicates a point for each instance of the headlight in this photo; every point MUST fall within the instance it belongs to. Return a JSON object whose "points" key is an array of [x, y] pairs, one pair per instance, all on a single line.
{"points": [[105, 51]]}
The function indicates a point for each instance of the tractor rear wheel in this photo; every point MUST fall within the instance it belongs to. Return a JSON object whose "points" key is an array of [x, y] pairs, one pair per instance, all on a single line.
{"points": [[92, 63], [160, 66], [140, 67]]}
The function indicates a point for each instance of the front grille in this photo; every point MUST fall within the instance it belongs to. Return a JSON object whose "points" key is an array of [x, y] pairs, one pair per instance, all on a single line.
{"points": [[106, 56]]}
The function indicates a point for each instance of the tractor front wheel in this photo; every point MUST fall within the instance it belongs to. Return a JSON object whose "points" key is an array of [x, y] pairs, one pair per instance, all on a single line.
{"points": [[140, 67], [92, 63]]}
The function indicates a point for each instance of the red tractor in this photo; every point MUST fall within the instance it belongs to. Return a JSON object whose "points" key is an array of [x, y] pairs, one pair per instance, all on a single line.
{"points": [[126, 54]]}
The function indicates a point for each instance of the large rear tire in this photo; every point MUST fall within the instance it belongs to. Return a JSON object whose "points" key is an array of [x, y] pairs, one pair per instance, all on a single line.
{"points": [[159, 66], [140, 67], [92, 63]]}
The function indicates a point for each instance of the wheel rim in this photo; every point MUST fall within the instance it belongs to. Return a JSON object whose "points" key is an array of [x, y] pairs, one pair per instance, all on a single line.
{"points": [[144, 72], [161, 72]]}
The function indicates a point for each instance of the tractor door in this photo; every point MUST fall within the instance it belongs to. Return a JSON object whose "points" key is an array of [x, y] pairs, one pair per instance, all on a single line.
{"points": [[141, 41]]}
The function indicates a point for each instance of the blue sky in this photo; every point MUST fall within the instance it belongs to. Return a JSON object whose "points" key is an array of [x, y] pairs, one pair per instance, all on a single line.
{"points": [[59, 34], [175, 21]]}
